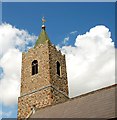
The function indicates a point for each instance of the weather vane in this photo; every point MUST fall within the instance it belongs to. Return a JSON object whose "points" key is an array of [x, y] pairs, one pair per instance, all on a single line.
{"points": [[43, 20]]}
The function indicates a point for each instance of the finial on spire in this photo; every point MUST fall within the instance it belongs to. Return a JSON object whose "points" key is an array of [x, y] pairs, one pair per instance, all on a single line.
{"points": [[43, 21]]}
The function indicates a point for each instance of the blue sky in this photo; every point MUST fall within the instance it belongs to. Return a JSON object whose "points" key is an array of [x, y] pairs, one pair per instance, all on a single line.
{"points": [[62, 18]]}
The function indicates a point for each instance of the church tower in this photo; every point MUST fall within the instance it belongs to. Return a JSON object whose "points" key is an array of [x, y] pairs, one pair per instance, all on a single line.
{"points": [[43, 77]]}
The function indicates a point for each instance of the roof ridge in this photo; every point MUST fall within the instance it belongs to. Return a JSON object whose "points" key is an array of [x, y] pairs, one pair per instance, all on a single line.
{"points": [[92, 92]]}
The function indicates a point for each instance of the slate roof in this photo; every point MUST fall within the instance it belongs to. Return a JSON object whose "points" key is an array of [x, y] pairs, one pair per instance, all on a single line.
{"points": [[96, 104]]}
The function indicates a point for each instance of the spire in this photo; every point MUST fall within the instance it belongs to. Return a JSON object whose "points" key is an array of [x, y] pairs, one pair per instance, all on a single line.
{"points": [[43, 37]]}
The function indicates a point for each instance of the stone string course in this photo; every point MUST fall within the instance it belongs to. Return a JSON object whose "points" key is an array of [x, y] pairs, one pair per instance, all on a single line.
{"points": [[47, 56]]}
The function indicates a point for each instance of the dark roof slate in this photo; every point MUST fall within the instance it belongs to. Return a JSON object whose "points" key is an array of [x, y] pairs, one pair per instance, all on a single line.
{"points": [[96, 104]]}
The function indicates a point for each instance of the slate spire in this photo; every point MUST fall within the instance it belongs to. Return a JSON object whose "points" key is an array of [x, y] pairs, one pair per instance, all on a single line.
{"points": [[43, 37]]}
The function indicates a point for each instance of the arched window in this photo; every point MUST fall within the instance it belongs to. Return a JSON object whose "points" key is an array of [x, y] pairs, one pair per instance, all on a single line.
{"points": [[34, 67], [58, 68]]}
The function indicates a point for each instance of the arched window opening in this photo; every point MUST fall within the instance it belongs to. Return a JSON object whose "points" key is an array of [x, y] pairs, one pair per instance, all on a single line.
{"points": [[34, 67], [58, 68]]}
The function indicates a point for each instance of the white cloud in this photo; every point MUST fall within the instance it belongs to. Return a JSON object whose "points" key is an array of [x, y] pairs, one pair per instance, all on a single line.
{"points": [[65, 40], [91, 63], [11, 64], [11, 37], [12, 42], [73, 32]]}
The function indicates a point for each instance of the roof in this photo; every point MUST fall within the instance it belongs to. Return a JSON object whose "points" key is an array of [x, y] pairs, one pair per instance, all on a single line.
{"points": [[96, 104], [43, 37]]}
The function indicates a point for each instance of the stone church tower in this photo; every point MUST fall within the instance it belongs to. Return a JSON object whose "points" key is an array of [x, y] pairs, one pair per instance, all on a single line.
{"points": [[43, 77]]}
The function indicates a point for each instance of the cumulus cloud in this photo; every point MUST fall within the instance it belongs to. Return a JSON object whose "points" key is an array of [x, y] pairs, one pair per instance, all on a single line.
{"points": [[11, 64], [12, 42], [91, 62], [11, 37]]}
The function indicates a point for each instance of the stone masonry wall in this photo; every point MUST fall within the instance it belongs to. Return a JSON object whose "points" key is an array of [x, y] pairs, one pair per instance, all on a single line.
{"points": [[57, 97], [31, 82], [38, 99], [60, 82], [46, 87]]}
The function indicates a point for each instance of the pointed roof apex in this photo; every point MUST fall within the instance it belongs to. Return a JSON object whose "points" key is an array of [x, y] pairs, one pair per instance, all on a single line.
{"points": [[43, 37]]}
